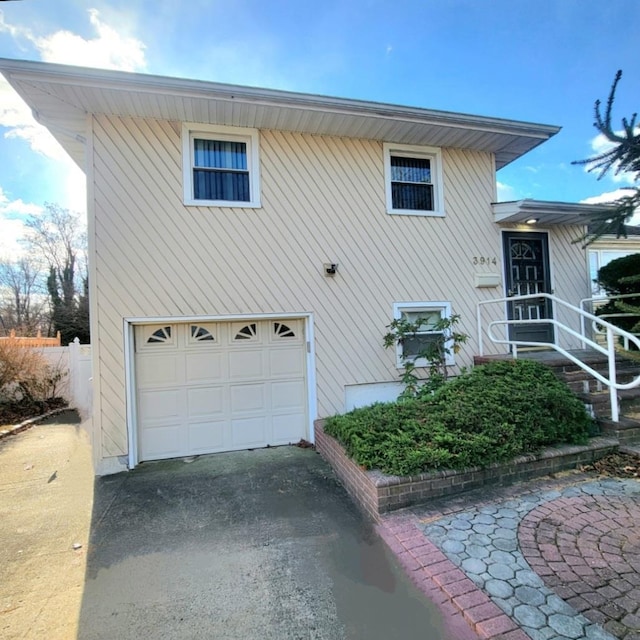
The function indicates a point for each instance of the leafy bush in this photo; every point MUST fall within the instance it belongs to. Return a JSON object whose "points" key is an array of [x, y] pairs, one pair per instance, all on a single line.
{"points": [[490, 414], [443, 340]]}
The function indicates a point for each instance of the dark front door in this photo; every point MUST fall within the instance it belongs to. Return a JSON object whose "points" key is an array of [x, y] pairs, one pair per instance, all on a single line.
{"points": [[527, 272]]}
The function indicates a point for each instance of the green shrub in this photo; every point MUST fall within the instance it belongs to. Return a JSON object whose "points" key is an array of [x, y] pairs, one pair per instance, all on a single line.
{"points": [[621, 276], [490, 414], [614, 276]]}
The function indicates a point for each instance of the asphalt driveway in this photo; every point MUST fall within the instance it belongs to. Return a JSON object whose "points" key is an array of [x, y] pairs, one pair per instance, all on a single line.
{"points": [[255, 544]]}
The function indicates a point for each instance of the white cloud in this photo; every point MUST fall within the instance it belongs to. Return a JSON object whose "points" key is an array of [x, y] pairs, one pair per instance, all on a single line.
{"points": [[612, 196], [600, 145], [110, 49], [506, 193], [75, 190], [12, 229], [16, 116], [609, 196]]}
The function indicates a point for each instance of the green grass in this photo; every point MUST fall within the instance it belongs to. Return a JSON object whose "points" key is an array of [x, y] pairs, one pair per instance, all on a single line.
{"points": [[490, 414]]}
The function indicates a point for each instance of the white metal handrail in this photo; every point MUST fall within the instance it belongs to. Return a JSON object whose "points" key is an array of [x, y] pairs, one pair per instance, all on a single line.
{"points": [[604, 300], [611, 332]]}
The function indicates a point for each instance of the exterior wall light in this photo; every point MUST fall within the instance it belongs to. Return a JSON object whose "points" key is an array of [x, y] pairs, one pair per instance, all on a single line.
{"points": [[531, 221]]}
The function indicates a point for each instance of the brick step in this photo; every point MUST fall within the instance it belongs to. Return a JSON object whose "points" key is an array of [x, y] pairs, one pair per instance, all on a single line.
{"points": [[589, 384], [624, 369], [627, 431], [592, 392]]}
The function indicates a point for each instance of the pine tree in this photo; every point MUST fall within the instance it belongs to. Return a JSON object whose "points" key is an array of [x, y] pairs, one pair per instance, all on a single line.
{"points": [[623, 157]]}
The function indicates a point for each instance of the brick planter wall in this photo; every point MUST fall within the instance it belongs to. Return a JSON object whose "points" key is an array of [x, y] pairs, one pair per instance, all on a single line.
{"points": [[376, 493]]}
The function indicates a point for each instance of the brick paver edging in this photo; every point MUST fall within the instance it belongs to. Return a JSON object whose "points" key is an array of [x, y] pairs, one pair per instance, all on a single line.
{"points": [[376, 493], [474, 558], [443, 583]]}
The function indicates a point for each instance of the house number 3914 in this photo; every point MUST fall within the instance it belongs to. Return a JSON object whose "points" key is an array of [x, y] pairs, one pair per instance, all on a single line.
{"points": [[483, 260]]}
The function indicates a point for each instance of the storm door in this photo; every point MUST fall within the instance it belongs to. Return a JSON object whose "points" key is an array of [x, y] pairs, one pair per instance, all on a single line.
{"points": [[527, 272]]}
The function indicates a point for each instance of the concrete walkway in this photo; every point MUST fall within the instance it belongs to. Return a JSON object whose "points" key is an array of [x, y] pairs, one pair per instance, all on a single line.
{"points": [[257, 544], [548, 560]]}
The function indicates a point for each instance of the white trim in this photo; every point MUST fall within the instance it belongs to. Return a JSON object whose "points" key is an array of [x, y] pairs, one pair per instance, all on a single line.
{"points": [[130, 395], [218, 132], [133, 457], [428, 305], [434, 154], [96, 400], [312, 393], [595, 290], [216, 318]]}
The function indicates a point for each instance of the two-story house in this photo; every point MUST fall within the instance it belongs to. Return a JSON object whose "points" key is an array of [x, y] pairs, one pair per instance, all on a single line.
{"points": [[248, 248]]}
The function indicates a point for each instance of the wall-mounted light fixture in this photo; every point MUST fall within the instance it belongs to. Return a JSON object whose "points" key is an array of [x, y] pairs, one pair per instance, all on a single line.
{"points": [[329, 269], [531, 221]]}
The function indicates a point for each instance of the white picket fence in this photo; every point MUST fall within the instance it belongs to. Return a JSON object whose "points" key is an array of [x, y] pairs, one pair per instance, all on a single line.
{"points": [[74, 362]]}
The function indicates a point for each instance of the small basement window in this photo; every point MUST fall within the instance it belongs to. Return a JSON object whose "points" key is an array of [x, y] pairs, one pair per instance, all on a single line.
{"points": [[220, 166], [413, 180], [430, 313]]}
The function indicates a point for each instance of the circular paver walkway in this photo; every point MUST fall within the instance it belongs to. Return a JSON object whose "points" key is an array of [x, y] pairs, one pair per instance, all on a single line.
{"points": [[588, 550], [561, 564]]}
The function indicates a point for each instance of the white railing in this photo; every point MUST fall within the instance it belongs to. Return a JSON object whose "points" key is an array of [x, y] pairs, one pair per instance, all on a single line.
{"points": [[597, 301], [610, 331]]}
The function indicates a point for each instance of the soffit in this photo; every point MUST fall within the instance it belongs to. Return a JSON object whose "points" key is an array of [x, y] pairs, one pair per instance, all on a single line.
{"points": [[545, 212], [62, 96]]}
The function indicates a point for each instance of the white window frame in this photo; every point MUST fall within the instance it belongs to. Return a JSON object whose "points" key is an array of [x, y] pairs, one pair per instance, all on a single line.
{"points": [[603, 257], [215, 132], [444, 308], [434, 154]]}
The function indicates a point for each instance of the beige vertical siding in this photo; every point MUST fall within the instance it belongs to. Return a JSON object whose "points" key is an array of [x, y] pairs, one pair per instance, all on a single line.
{"points": [[322, 200]]}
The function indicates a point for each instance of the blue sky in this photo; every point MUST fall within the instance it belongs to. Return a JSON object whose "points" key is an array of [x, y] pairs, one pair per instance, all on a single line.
{"points": [[545, 61]]}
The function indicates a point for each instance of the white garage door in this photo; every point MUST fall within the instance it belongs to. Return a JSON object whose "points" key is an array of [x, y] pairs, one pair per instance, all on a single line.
{"points": [[219, 386]]}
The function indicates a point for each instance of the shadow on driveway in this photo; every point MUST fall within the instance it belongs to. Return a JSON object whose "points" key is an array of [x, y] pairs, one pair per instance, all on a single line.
{"points": [[253, 544]]}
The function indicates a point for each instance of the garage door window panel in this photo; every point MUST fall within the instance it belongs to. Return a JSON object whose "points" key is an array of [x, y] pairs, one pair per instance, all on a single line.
{"points": [[198, 333], [245, 332], [286, 333], [155, 337]]}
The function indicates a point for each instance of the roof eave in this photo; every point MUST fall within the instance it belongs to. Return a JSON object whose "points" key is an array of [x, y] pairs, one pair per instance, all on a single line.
{"points": [[545, 212], [516, 137]]}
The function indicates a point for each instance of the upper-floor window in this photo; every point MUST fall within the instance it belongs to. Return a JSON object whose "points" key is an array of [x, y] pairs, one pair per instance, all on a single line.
{"points": [[413, 180], [220, 166]]}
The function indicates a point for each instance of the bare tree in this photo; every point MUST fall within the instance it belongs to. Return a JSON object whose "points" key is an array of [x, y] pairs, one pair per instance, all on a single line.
{"points": [[23, 302], [59, 235]]}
